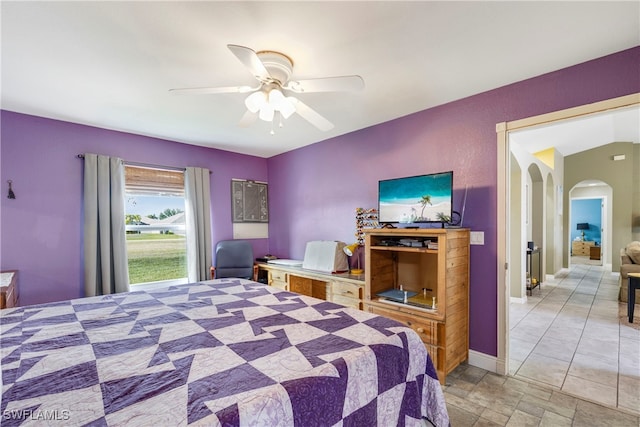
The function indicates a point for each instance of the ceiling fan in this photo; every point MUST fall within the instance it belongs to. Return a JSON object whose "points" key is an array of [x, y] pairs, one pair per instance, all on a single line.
{"points": [[268, 100]]}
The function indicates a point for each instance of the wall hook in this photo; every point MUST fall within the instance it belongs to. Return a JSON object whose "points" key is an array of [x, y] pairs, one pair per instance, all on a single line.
{"points": [[11, 195]]}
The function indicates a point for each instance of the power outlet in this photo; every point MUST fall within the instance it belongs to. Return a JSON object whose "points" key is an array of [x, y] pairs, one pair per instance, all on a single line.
{"points": [[477, 238]]}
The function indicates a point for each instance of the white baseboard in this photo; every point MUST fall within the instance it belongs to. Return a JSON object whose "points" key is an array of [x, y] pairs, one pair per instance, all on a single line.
{"points": [[518, 300], [484, 361]]}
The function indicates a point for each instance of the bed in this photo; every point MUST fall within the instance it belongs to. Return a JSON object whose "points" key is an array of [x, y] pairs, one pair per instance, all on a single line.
{"points": [[227, 352]]}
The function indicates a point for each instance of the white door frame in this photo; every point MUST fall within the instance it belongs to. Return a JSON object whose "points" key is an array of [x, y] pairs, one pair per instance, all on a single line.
{"points": [[504, 152]]}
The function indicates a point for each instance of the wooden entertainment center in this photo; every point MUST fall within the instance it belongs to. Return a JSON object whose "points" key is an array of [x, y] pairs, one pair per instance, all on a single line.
{"points": [[430, 263]]}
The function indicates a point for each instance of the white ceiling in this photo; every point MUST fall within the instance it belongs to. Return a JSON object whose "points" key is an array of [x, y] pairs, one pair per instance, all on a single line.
{"points": [[583, 133], [111, 64]]}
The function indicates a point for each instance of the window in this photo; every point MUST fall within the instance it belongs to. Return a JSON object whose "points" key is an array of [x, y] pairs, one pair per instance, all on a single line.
{"points": [[155, 225]]}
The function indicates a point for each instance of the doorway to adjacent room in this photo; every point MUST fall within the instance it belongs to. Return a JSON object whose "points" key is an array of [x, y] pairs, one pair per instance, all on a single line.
{"points": [[588, 225], [575, 284]]}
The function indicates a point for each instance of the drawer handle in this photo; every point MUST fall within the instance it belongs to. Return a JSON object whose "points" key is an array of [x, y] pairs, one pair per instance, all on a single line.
{"points": [[348, 292], [420, 330]]}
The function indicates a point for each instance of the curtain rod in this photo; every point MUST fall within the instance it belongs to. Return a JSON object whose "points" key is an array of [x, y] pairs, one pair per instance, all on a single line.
{"points": [[145, 165]]}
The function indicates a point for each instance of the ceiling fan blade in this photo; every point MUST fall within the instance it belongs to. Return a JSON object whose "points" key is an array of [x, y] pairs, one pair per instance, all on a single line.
{"points": [[311, 115], [327, 84], [247, 119], [250, 60], [213, 90]]}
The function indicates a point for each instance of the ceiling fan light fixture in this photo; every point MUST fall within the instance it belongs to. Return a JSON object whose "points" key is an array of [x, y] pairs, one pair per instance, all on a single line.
{"points": [[275, 98], [266, 113], [279, 103], [256, 101]]}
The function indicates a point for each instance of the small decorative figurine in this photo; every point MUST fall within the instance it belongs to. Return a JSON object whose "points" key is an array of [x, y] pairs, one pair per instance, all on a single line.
{"points": [[11, 194]]}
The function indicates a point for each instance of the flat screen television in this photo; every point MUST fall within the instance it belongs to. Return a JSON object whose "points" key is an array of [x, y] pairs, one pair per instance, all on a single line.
{"points": [[415, 199]]}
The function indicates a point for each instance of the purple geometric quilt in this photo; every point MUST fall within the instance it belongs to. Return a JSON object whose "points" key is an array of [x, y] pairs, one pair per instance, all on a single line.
{"points": [[227, 352]]}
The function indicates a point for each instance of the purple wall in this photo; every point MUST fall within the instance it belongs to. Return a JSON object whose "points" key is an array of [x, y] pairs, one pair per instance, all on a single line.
{"points": [[41, 230], [314, 190]]}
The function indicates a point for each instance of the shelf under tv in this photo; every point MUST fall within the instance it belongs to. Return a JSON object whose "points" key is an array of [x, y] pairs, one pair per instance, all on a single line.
{"points": [[405, 249]]}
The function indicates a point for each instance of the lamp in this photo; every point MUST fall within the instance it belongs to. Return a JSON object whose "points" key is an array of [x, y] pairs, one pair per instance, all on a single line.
{"points": [[582, 226], [350, 251]]}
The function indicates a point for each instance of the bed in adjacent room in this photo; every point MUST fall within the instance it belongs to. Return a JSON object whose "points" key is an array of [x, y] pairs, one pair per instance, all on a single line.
{"points": [[226, 352]]}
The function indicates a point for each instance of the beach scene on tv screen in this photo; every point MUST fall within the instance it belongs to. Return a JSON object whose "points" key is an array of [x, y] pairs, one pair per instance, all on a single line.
{"points": [[415, 199]]}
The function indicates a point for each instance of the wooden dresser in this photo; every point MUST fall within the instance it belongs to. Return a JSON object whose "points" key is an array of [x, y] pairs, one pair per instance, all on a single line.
{"points": [[9, 296], [345, 289], [581, 248]]}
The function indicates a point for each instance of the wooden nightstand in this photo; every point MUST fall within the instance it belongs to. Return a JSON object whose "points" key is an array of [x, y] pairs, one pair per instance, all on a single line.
{"points": [[581, 248], [9, 289], [594, 252]]}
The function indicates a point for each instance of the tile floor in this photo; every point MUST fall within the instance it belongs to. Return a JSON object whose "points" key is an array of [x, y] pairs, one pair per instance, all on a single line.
{"points": [[572, 362], [568, 337], [476, 397]]}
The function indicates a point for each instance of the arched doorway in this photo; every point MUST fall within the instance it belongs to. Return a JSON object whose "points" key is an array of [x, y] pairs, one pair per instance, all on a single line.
{"points": [[590, 206]]}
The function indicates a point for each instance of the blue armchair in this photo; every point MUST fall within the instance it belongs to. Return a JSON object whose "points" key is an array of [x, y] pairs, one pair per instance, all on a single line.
{"points": [[234, 258]]}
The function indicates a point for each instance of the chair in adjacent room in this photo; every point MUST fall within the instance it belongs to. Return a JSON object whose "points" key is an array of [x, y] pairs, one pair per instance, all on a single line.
{"points": [[234, 258], [629, 263]]}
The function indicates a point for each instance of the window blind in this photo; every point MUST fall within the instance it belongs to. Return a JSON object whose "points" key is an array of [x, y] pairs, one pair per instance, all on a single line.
{"points": [[144, 180]]}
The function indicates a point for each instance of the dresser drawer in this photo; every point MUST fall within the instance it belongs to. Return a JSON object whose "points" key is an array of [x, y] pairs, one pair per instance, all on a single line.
{"points": [[278, 279], [426, 329], [277, 275], [279, 284], [581, 247], [346, 289], [346, 301]]}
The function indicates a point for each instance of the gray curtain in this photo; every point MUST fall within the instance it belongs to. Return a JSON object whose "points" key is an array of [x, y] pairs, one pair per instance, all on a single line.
{"points": [[198, 223], [105, 252]]}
